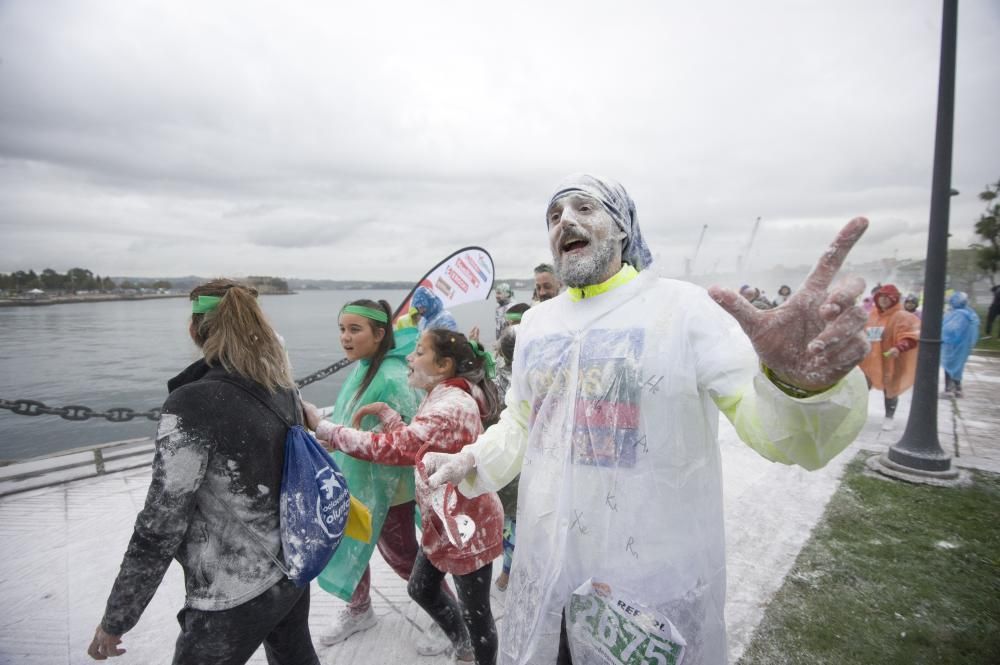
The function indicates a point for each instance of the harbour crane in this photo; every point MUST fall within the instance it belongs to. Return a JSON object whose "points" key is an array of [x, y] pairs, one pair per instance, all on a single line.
{"points": [[697, 248], [744, 260]]}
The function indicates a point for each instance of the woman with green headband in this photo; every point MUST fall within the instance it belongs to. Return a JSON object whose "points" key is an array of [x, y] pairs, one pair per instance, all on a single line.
{"points": [[460, 536], [220, 450], [380, 375]]}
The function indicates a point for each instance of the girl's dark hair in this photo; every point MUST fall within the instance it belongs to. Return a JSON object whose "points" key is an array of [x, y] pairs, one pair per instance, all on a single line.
{"points": [[237, 336], [387, 344], [508, 338], [469, 366]]}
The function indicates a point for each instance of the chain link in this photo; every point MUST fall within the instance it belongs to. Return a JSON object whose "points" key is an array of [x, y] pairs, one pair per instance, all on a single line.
{"points": [[30, 407], [121, 414], [323, 373]]}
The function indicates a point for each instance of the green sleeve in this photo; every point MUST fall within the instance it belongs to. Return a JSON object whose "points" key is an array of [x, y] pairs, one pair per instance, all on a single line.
{"points": [[808, 432]]}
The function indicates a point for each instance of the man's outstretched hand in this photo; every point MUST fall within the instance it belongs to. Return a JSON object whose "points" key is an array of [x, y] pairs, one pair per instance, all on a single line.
{"points": [[443, 468], [816, 337]]}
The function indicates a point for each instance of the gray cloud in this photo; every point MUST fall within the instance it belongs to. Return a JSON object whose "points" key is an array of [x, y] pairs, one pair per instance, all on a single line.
{"points": [[284, 233], [308, 140]]}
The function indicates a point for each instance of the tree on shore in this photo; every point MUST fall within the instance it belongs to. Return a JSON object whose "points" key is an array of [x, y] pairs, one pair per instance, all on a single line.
{"points": [[75, 279], [988, 228], [964, 270]]}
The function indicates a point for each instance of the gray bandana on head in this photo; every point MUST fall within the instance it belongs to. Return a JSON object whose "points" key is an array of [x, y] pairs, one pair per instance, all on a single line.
{"points": [[619, 205]]}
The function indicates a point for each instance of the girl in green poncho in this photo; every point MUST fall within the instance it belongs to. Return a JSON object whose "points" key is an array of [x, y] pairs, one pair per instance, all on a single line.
{"points": [[381, 376]]}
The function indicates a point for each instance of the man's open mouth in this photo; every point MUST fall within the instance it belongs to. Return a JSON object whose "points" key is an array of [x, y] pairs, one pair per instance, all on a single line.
{"points": [[573, 244]]}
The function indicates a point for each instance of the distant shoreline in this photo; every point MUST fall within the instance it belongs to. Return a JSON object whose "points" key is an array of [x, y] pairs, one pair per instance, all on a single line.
{"points": [[110, 297], [65, 300]]}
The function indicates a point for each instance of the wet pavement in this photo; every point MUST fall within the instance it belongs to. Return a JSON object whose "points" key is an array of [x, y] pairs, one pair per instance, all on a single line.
{"points": [[60, 547]]}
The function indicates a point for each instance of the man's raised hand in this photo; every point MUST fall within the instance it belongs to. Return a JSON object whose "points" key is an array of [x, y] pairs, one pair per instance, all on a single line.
{"points": [[817, 336]]}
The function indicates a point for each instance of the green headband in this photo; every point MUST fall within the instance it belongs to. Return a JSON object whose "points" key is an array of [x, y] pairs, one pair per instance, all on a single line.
{"points": [[367, 312], [513, 317], [488, 363], [205, 304]]}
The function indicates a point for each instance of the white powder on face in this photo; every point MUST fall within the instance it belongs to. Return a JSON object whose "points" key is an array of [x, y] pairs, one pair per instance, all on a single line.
{"points": [[589, 268], [421, 379]]}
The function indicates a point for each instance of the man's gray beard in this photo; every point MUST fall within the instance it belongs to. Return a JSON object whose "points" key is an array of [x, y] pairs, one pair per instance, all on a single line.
{"points": [[586, 270]]}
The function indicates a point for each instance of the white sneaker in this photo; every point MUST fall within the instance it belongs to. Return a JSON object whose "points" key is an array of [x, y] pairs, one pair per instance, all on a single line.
{"points": [[346, 624], [433, 641], [888, 424]]}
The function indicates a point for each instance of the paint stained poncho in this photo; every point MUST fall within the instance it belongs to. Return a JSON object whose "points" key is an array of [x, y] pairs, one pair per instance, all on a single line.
{"points": [[612, 421], [959, 333], [378, 486], [448, 420], [216, 446]]}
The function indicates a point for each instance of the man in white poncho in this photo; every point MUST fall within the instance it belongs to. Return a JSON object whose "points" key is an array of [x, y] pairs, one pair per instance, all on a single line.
{"points": [[612, 421]]}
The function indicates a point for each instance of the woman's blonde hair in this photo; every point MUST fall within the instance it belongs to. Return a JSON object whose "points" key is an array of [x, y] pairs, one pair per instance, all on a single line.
{"points": [[237, 335]]}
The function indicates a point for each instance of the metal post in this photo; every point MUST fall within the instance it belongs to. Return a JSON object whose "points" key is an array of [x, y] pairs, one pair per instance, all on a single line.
{"points": [[919, 449]]}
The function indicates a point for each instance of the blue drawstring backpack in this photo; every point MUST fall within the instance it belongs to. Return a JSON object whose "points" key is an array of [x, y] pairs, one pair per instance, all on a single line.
{"points": [[314, 506], [314, 503]]}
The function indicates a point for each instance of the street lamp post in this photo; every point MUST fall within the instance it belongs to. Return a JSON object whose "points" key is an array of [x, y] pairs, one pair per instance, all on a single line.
{"points": [[919, 449]]}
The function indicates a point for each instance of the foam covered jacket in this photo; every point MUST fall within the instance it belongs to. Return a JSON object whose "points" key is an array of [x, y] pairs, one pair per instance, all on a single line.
{"points": [[447, 420], [215, 444]]}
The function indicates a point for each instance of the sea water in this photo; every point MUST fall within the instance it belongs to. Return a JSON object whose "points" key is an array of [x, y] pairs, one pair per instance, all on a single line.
{"points": [[121, 354]]}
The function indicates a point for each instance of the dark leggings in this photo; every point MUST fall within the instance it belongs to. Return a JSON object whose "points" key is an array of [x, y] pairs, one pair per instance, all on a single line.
{"points": [[951, 384], [474, 592], [278, 618], [890, 406], [890, 402], [563, 657]]}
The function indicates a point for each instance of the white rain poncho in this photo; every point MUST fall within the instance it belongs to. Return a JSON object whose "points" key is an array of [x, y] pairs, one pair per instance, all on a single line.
{"points": [[612, 421]]}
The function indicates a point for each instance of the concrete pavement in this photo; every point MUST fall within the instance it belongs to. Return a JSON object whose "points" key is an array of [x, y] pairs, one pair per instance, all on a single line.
{"points": [[60, 547]]}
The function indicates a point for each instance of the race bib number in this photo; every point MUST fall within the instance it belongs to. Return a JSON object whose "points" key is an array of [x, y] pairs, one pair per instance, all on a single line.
{"points": [[604, 628], [875, 333]]}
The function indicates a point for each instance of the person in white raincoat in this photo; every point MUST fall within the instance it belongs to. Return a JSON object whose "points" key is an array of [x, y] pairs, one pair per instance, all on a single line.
{"points": [[612, 421]]}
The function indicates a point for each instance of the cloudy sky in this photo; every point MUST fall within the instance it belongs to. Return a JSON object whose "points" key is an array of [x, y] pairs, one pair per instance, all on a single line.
{"points": [[367, 140]]}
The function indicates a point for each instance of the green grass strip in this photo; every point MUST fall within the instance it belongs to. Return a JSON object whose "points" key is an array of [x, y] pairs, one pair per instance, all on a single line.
{"points": [[991, 344], [894, 573]]}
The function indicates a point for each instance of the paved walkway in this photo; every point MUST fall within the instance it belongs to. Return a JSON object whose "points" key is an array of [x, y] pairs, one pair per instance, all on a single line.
{"points": [[60, 548]]}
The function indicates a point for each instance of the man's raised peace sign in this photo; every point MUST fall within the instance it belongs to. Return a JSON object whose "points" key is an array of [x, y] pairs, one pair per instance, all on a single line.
{"points": [[817, 336]]}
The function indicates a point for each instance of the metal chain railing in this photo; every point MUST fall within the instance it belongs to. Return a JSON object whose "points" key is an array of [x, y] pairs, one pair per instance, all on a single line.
{"points": [[30, 407], [323, 373]]}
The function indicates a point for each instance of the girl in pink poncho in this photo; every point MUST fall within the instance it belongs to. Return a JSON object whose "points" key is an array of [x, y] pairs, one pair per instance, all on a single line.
{"points": [[461, 536]]}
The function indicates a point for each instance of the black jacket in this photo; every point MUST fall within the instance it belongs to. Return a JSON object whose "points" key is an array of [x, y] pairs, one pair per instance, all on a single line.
{"points": [[215, 444]]}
